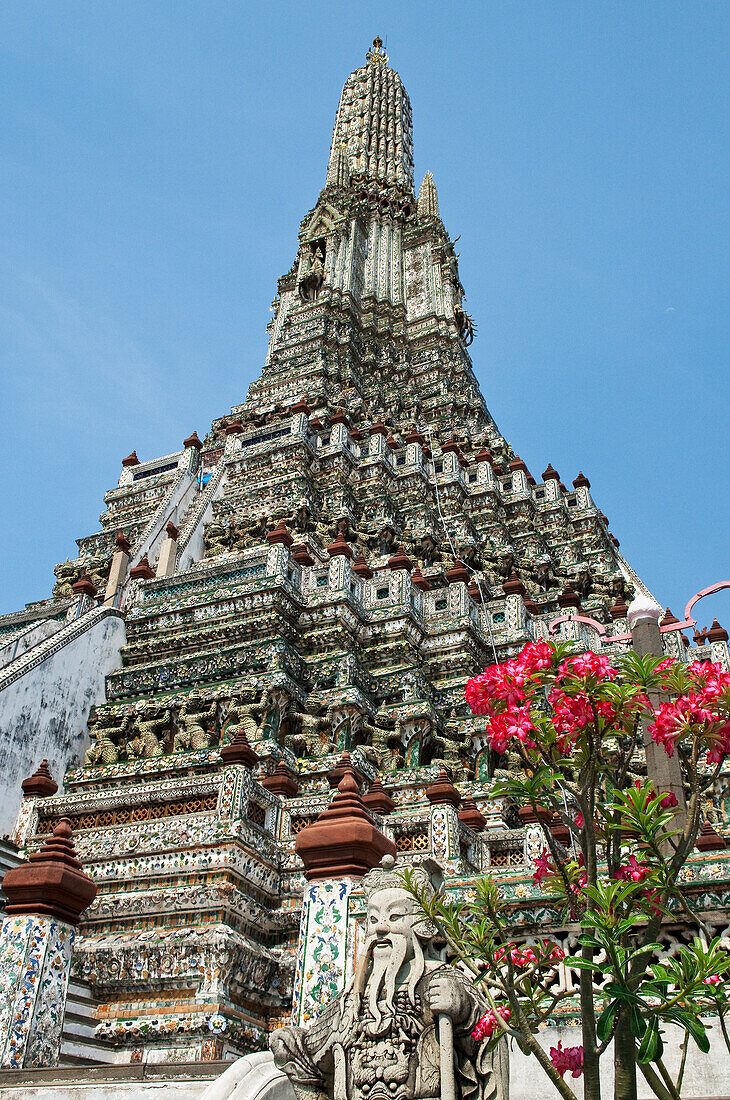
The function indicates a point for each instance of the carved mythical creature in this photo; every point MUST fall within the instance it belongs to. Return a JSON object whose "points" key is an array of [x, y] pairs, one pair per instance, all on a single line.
{"points": [[241, 718], [301, 521], [314, 726], [194, 718], [251, 533], [150, 722], [215, 539], [107, 733], [382, 540], [426, 550], [464, 325], [66, 573], [469, 554], [401, 1029]]}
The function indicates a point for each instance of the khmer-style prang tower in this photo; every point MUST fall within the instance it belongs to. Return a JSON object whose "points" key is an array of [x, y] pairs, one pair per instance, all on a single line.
{"points": [[319, 575]]}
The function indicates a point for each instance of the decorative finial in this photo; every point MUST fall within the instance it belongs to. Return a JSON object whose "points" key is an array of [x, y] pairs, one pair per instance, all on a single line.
{"points": [[377, 53]]}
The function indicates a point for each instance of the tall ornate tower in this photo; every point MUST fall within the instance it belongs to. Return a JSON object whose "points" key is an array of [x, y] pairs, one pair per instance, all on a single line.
{"points": [[319, 575]]}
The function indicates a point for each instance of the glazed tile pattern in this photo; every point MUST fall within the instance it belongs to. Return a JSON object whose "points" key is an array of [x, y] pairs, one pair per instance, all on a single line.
{"points": [[322, 954], [35, 962]]}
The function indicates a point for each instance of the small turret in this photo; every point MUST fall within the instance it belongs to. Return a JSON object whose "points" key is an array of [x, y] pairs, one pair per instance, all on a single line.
{"points": [[428, 200], [338, 171]]}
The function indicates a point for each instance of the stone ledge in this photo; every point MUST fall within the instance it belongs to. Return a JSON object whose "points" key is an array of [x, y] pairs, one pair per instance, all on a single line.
{"points": [[90, 1075]]}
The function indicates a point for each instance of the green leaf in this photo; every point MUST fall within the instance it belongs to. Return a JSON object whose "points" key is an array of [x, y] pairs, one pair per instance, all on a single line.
{"points": [[605, 1021], [638, 1023], [697, 1030], [650, 1044], [576, 963]]}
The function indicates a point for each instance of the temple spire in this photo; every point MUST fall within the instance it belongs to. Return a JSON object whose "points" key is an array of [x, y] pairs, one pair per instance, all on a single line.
{"points": [[373, 124], [428, 200]]}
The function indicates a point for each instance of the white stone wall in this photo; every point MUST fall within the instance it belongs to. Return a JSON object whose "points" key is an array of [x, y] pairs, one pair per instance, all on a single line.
{"points": [[706, 1075], [44, 712], [20, 643]]}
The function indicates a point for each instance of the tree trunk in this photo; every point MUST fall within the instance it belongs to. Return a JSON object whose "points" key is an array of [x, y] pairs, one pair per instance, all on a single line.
{"points": [[624, 1059], [591, 1069]]}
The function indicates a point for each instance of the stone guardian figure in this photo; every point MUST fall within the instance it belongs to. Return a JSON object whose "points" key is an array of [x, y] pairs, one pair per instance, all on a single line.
{"points": [[401, 1029]]}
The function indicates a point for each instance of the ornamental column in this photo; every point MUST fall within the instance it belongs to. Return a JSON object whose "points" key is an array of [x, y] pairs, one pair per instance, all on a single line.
{"points": [[45, 899], [118, 569], [664, 771], [444, 832], [337, 850], [168, 551]]}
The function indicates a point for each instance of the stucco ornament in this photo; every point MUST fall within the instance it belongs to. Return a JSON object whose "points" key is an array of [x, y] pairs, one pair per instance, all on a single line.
{"points": [[401, 1029]]}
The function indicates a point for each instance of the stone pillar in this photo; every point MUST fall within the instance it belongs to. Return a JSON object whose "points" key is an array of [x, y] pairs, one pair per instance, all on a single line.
{"points": [[340, 567], [168, 552], [193, 446], [485, 471], [339, 431], [717, 637], [378, 436], [337, 850], [458, 578], [664, 771], [45, 899], [551, 482], [280, 542], [444, 831], [117, 570], [414, 449]]}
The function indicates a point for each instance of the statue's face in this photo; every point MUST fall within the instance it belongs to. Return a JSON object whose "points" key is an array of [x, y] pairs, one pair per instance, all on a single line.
{"points": [[391, 919]]}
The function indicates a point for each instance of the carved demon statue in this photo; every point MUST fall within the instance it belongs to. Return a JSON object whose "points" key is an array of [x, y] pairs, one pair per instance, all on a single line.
{"points": [[401, 1030]]}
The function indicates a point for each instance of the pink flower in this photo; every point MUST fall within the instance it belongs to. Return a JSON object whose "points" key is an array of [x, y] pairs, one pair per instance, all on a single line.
{"points": [[633, 871], [669, 801], [579, 821], [568, 1058], [487, 1025], [543, 867], [536, 656], [587, 665], [714, 979]]}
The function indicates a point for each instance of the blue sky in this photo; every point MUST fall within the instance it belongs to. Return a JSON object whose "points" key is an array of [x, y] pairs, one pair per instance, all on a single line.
{"points": [[156, 159]]}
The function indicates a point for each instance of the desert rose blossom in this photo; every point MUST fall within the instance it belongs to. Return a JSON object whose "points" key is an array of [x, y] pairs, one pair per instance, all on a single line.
{"points": [[567, 1058], [487, 1025]]}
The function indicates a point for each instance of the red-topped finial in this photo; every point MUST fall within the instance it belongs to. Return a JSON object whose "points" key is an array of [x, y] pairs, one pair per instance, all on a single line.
{"points": [[377, 798], [51, 883], [84, 586], [282, 782], [40, 784], [343, 840], [280, 534], [471, 815], [123, 542], [142, 571], [443, 791]]}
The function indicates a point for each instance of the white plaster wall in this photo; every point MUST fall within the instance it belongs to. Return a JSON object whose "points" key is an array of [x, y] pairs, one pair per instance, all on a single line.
{"points": [[21, 644], [706, 1075], [44, 712]]}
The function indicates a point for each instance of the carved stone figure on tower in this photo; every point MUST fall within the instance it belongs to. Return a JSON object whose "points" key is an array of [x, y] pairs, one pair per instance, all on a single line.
{"points": [[195, 720], [401, 1029]]}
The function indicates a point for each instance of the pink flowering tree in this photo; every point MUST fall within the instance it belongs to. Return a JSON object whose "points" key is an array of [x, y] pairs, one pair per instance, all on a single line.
{"points": [[572, 728]]}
